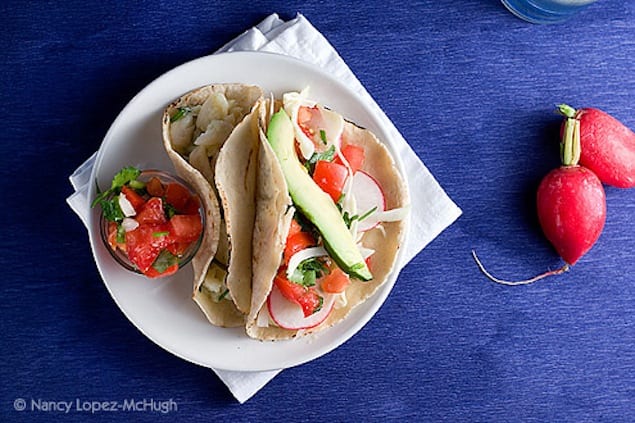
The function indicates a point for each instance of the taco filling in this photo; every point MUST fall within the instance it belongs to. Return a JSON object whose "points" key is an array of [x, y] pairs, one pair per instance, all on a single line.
{"points": [[344, 215]]}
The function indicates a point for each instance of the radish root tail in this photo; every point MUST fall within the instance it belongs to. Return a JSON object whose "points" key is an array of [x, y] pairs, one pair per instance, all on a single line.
{"points": [[548, 273]]}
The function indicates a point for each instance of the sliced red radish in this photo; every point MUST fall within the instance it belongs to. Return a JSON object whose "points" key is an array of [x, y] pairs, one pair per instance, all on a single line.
{"points": [[289, 315], [368, 196]]}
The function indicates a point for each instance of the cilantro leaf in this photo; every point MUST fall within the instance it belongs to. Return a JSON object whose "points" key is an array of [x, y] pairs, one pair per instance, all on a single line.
{"points": [[308, 272], [111, 210], [123, 177], [327, 155], [164, 260]]}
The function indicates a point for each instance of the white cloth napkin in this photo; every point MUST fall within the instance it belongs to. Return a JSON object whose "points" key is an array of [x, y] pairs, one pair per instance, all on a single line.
{"points": [[432, 210]]}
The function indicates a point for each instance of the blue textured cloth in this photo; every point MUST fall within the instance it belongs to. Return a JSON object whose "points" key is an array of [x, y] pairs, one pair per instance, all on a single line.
{"points": [[471, 87]]}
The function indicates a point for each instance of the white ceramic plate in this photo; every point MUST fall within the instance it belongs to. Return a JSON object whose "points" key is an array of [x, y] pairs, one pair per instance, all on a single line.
{"points": [[163, 309]]}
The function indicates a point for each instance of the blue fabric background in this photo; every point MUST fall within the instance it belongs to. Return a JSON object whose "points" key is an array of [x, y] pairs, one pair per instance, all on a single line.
{"points": [[471, 87]]}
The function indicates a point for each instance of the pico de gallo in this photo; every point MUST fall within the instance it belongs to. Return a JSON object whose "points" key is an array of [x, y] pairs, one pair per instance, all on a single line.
{"points": [[151, 219]]}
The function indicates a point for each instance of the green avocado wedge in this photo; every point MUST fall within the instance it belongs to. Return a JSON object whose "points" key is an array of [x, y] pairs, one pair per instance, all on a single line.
{"points": [[314, 203]]}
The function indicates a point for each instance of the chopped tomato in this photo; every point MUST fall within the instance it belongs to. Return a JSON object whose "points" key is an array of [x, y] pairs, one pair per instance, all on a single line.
{"points": [[145, 243], [354, 155], [192, 206], [297, 242], [135, 199], [330, 177], [178, 248], [294, 229], [151, 212], [177, 195], [304, 120], [307, 298], [155, 188], [336, 281], [368, 262], [185, 228]]}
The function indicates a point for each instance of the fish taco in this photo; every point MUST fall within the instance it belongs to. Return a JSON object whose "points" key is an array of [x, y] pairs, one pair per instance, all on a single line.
{"points": [[211, 136]]}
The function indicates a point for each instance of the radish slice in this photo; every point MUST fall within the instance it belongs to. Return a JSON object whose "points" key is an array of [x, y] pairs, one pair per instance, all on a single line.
{"points": [[289, 315], [368, 196]]}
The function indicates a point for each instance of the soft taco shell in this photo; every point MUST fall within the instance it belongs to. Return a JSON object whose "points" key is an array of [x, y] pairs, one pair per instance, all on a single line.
{"points": [[236, 184], [195, 128], [272, 226]]}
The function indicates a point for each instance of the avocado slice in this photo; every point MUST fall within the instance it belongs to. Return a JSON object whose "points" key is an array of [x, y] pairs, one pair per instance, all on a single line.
{"points": [[314, 203]]}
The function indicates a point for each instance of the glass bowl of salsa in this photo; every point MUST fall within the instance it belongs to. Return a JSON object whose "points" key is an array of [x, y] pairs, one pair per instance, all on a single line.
{"points": [[151, 221]]}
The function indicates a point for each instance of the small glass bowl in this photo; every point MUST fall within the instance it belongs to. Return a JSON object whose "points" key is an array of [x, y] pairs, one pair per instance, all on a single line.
{"points": [[121, 257]]}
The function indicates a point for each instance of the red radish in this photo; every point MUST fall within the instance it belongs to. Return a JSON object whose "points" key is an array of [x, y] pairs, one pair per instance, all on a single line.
{"points": [[289, 315], [608, 146], [571, 206], [368, 196], [571, 210]]}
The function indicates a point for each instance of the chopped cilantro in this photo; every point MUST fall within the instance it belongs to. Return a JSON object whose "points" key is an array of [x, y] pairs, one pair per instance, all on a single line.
{"points": [[121, 234], [181, 112], [223, 294], [160, 234], [348, 219], [111, 209], [308, 272], [136, 184], [368, 213], [327, 155], [169, 210], [323, 136], [123, 177], [320, 304], [165, 260]]}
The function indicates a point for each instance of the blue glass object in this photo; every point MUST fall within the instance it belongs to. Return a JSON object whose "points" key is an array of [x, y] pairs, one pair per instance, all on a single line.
{"points": [[545, 11]]}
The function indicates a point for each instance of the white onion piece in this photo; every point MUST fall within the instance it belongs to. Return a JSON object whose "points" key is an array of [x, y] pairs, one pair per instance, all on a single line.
{"points": [[128, 224], [392, 215], [321, 120], [291, 102], [365, 252], [300, 256], [126, 206], [262, 321], [289, 315], [340, 300]]}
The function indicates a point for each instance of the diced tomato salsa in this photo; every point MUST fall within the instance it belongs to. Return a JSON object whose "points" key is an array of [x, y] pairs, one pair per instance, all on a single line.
{"points": [[165, 223]]}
